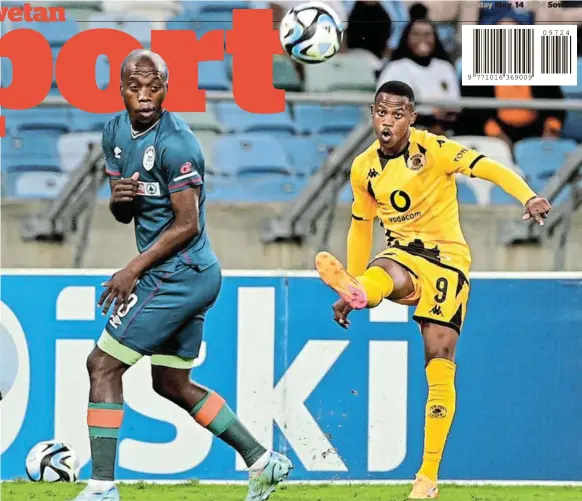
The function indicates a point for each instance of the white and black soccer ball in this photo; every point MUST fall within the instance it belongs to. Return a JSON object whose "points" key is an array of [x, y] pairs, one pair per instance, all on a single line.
{"points": [[311, 32], [52, 461]]}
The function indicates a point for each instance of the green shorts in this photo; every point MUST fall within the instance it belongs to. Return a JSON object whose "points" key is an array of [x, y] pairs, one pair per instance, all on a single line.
{"points": [[164, 317]]}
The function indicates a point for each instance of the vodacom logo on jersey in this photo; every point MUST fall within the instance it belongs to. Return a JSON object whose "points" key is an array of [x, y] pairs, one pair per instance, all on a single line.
{"points": [[252, 42]]}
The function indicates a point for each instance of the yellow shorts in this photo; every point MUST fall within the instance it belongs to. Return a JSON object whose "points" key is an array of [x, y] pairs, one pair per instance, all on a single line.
{"points": [[441, 292]]}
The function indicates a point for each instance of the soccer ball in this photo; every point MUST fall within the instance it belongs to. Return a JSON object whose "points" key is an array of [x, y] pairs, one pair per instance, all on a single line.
{"points": [[311, 32], [52, 461]]}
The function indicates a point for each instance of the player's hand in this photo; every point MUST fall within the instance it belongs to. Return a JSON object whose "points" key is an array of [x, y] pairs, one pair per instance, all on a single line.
{"points": [[118, 288], [537, 208], [341, 310], [125, 190]]}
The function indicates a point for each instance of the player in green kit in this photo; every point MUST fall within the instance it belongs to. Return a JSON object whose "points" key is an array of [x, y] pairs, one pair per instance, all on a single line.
{"points": [[160, 298]]}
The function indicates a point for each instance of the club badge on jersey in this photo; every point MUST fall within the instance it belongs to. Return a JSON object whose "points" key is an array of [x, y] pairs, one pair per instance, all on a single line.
{"points": [[149, 158]]}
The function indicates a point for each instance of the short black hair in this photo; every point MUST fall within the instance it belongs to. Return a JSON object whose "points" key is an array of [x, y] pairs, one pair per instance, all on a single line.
{"points": [[396, 88]]}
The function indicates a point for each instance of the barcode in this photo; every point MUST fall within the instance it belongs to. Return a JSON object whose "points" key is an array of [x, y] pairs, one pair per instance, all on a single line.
{"points": [[509, 55], [500, 51], [556, 54]]}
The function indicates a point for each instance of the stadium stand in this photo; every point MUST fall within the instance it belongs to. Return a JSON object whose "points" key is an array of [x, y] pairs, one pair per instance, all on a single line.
{"points": [[52, 140]]}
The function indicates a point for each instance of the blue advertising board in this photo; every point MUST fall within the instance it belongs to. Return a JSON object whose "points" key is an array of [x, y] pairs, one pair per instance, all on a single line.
{"points": [[344, 405]]}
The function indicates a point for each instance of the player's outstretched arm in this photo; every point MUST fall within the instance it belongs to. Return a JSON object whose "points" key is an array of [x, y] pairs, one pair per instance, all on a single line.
{"points": [[459, 159]]}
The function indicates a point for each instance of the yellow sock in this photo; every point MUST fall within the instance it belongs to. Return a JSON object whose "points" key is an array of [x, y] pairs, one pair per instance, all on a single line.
{"points": [[440, 410], [378, 285]]}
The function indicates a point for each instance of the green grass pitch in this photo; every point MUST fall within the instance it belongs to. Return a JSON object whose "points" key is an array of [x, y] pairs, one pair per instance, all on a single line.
{"points": [[27, 491]]}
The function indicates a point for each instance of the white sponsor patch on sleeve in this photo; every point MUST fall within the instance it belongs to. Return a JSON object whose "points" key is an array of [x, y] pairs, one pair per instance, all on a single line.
{"points": [[186, 176]]}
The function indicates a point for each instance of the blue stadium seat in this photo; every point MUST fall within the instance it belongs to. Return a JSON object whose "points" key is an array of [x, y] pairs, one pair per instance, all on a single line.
{"points": [[196, 8], [306, 153], [57, 34], [331, 141], [346, 196], [540, 158], [73, 147], [271, 188], [236, 119], [313, 118], [6, 72], [212, 75], [32, 144], [224, 189], [131, 23], [466, 194], [573, 125], [40, 118], [248, 154], [180, 22], [33, 184], [211, 21], [84, 121]]}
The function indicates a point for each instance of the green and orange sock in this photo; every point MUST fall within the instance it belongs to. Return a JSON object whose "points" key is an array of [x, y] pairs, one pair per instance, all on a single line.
{"points": [[104, 421], [215, 415]]}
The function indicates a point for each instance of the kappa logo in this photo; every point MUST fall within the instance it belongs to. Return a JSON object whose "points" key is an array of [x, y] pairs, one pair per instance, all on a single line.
{"points": [[117, 152], [372, 173], [416, 162], [436, 310], [149, 158], [440, 142]]}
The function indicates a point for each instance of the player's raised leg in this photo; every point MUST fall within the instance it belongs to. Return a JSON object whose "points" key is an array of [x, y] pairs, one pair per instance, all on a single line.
{"points": [[384, 278], [209, 409], [105, 415], [440, 343]]}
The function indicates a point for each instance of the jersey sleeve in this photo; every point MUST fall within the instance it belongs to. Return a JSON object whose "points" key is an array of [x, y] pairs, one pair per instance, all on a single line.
{"points": [[112, 169], [364, 205], [455, 158], [182, 162]]}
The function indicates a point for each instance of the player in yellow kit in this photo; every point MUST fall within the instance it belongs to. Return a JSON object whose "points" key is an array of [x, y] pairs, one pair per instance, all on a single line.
{"points": [[406, 179]]}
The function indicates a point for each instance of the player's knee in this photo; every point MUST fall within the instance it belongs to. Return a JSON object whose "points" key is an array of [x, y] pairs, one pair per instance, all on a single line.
{"points": [[165, 384], [439, 342], [102, 366]]}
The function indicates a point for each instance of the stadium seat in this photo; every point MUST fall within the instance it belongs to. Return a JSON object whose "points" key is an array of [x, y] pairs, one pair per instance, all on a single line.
{"points": [[344, 71], [207, 138], [235, 119], [57, 34], [196, 8], [212, 20], [31, 145], [306, 154], [203, 120], [131, 23], [270, 188], [72, 148], [84, 121], [157, 12], [40, 118], [492, 147], [212, 75], [573, 126], [466, 194], [539, 158], [223, 189], [6, 72], [33, 184], [331, 141], [313, 118], [242, 154], [180, 22], [346, 195], [284, 74]]}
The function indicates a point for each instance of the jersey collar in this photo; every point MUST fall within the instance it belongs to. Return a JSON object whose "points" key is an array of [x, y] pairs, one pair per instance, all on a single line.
{"points": [[135, 134]]}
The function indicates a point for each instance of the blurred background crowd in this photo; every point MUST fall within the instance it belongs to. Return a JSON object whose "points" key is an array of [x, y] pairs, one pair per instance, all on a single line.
{"points": [[270, 157]]}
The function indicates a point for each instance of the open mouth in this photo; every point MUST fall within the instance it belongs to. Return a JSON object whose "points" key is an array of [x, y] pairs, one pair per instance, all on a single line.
{"points": [[146, 111], [386, 135]]}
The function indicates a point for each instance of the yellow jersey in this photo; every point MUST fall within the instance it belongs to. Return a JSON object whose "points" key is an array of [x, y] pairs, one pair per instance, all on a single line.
{"points": [[414, 194]]}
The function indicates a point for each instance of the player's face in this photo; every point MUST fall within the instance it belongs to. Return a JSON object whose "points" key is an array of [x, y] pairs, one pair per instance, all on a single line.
{"points": [[392, 117], [143, 91], [421, 39]]}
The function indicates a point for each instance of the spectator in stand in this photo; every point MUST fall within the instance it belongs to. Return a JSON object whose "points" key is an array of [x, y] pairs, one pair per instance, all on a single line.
{"points": [[375, 26], [511, 124], [421, 61]]}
